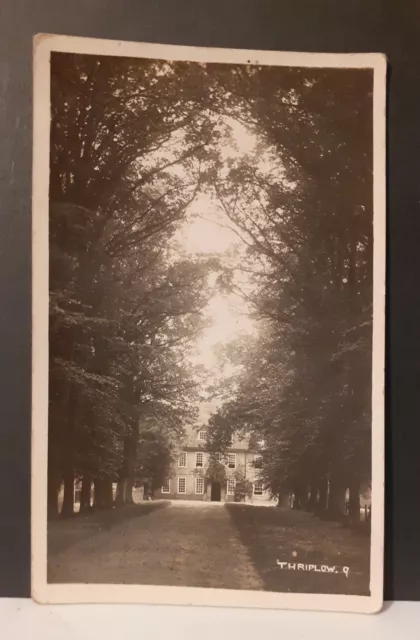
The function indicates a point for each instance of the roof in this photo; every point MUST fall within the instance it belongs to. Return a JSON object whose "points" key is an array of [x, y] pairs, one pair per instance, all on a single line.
{"points": [[191, 440]]}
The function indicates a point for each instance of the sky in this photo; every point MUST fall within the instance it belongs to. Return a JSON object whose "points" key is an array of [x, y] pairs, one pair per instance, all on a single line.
{"points": [[205, 232], [228, 314], [202, 233]]}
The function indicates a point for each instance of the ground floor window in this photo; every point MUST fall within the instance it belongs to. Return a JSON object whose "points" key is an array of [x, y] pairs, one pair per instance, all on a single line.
{"points": [[166, 487], [182, 485], [199, 486], [230, 489], [258, 488]]}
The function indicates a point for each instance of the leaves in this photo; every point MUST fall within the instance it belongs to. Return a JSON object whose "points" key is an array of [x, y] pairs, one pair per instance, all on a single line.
{"points": [[285, 156], [304, 385]]}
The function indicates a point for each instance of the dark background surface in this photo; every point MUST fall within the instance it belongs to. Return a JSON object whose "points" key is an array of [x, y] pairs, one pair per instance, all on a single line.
{"points": [[389, 27]]}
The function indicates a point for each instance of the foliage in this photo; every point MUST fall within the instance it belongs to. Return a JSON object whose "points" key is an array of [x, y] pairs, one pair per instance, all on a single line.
{"points": [[304, 385], [215, 471], [123, 310], [243, 487], [154, 458], [133, 144]]}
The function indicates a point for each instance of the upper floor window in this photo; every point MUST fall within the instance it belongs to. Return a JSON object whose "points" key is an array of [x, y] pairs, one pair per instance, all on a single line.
{"points": [[199, 459], [258, 488], [231, 460], [182, 460], [218, 457], [202, 435]]}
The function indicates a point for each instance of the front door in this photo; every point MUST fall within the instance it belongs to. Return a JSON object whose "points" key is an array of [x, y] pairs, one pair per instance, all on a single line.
{"points": [[216, 492]]}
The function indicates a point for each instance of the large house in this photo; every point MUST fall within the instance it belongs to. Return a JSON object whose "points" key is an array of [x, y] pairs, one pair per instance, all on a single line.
{"points": [[193, 476]]}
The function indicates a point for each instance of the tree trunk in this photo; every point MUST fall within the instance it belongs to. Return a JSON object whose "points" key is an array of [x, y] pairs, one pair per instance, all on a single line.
{"points": [[98, 494], [304, 501], [103, 493], [321, 506], [124, 493], [53, 490], [354, 502], [68, 498], [301, 497], [128, 492], [108, 499], [125, 480], [68, 451], [283, 500], [313, 498], [336, 499], [52, 501], [120, 494], [85, 494]]}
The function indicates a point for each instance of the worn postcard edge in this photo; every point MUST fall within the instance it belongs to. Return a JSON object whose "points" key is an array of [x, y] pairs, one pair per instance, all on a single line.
{"points": [[43, 592]]}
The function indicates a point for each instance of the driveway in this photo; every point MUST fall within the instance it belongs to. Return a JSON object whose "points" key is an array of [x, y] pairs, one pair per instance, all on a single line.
{"points": [[179, 545], [202, 544]]}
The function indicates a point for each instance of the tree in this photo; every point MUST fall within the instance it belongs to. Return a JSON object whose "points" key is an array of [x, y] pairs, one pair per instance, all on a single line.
{"points": [[114, 203], [133, 143], [307, 225]]}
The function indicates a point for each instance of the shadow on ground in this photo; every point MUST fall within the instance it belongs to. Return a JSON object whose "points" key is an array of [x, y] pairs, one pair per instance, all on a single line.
{"points": [[184, 546], [61, 536], [275, 535]]}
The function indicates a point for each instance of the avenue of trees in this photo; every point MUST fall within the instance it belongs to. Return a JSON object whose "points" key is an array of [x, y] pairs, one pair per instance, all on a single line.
{"points": [[304, 391], [133, 144], [122, 310]]}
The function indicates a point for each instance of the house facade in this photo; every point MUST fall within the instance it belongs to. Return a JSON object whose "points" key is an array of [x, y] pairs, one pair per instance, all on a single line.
{"points": [[198, 475]]}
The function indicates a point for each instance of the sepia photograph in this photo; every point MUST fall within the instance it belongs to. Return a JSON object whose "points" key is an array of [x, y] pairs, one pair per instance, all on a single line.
{"points": [[208, 312]]}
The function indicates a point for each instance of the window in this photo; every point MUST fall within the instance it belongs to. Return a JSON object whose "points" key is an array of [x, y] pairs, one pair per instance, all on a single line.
{"points": [[258, 488], [258, 462], [199, 486], [231, 460], [202, 435], [182, 460], [182, 485], [231, 486], [218, 457], [199, 459], [166, 487]]}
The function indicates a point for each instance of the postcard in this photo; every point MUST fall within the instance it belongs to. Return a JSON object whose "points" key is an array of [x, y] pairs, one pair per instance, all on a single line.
{"points": [[208, 326]]}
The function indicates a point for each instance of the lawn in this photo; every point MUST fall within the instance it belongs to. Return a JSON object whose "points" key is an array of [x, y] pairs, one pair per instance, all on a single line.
{"points": [[205, 545], [151, 543], [294, 537]]}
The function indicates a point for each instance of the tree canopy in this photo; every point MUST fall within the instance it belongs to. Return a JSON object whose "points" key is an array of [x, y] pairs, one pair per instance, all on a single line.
{"points": [[135, 144]]}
